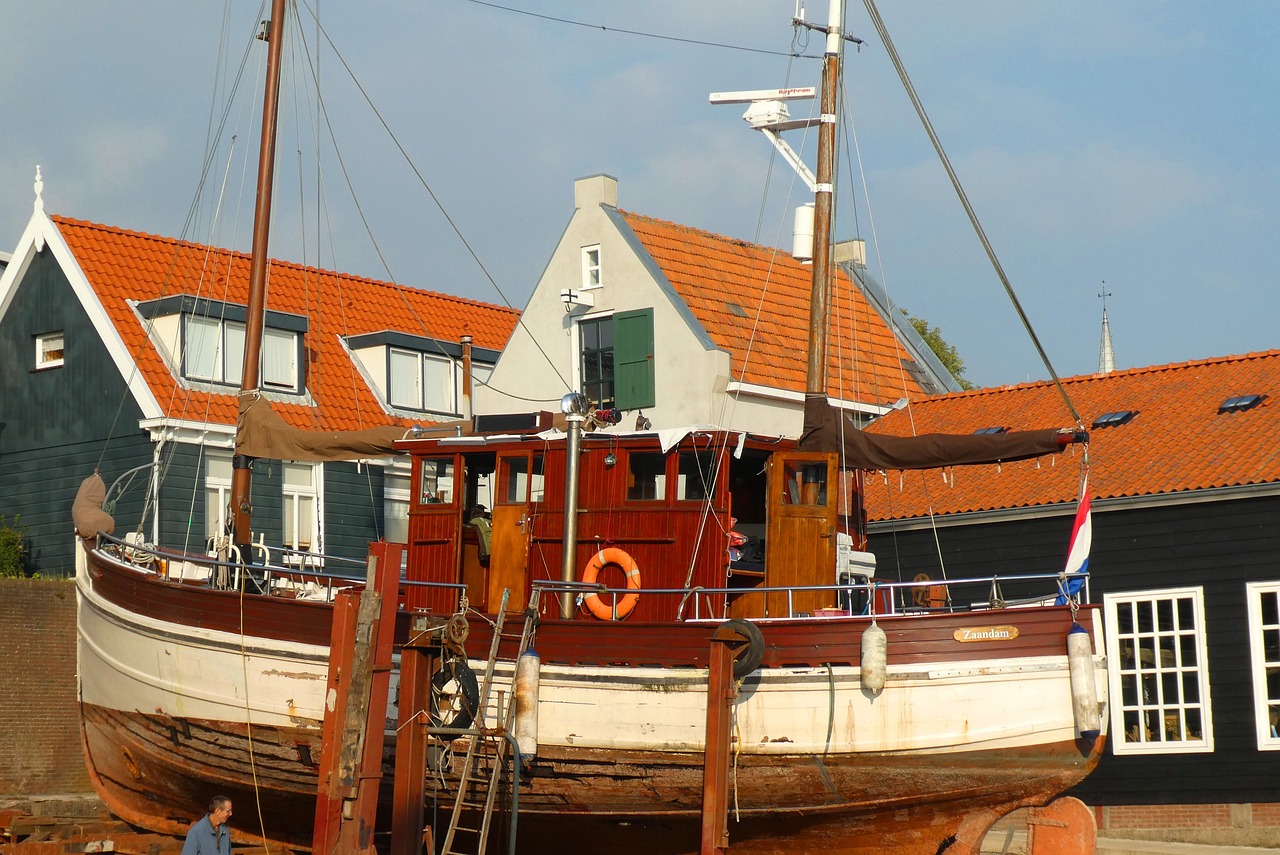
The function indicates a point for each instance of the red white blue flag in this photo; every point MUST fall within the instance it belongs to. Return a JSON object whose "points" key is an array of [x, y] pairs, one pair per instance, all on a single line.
{"points": [[1081, 542]]}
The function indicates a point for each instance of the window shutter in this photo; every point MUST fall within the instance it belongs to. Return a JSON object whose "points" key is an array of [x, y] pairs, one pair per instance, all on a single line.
{"points": [[633, 360]]}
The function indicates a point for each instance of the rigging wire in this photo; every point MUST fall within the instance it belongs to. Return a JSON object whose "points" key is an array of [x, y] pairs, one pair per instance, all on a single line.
{"points": [[964, 201]]}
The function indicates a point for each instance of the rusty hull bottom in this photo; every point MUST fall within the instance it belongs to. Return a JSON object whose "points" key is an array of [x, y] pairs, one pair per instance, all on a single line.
{"points": [[158, 772]]}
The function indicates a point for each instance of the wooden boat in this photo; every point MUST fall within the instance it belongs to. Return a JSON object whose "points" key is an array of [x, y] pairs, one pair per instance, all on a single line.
{"points": [[869, 716]]}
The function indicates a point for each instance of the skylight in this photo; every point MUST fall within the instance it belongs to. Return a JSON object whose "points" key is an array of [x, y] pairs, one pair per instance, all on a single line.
{"points": [[991, 430], [1119, 417], [1241, 402]]}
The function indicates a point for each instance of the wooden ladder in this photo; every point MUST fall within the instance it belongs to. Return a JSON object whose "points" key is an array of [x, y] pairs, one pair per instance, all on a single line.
{"points": [[488, 752]]}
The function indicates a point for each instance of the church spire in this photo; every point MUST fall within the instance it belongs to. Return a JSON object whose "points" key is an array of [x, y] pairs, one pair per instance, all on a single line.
{"points": [[1106, 354]]}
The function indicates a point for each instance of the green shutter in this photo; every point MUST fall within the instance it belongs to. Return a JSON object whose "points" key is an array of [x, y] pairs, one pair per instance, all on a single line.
{"points": [[633, 360]]}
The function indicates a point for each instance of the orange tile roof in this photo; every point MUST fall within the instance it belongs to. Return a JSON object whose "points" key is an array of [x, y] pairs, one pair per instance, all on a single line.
{"points": [[125, 265], [1177, 442], [713, 273]]}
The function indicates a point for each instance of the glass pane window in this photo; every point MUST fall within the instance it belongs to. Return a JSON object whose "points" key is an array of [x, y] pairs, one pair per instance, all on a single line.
{"points": [[436, 487], [395, 508], [805, 483], [301, 504], [217, 491], [437, 384], [420, 381], [49, 350], [646, 477], [591, 267], [279, 359], [1157, 648], [597, 360], [1264, 653], [519, 480], [696, 477], [404, 380], [202, 354]]}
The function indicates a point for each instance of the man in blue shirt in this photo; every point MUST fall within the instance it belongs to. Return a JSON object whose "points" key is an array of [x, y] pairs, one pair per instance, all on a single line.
{"points": [[210, 835]]}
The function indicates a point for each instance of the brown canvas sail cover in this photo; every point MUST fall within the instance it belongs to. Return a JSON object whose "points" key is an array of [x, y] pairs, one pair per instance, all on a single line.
{"points": [[860, 450], [86, 510], [262, 433]]}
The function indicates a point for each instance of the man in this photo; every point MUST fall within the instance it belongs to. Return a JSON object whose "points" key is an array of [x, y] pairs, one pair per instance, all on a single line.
{"points": [[479, 520], [210, 835]]}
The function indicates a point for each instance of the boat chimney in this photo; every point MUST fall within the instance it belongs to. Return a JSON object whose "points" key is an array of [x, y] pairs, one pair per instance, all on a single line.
{"points": [[802, 234], [467, 378]]}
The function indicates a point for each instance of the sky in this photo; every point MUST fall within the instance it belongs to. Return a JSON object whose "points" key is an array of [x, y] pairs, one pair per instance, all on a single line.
{"points": [[1126, 148]]}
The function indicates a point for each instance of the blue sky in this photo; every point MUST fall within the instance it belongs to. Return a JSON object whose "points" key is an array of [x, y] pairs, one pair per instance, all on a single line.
{"points": [[1131, 143]]}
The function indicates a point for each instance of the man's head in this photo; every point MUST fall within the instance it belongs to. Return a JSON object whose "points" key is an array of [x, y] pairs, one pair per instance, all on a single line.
{"points": [[219, 810]]}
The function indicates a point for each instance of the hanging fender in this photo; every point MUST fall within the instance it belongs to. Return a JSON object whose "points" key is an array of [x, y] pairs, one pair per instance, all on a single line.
{"points": [[620, 559]]}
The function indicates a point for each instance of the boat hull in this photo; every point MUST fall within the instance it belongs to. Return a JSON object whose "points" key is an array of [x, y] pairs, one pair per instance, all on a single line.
{"points": [[176, 710]]}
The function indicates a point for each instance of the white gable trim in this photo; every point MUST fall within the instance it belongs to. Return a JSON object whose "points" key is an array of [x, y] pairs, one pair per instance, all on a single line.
{"points": [[41, 233]]}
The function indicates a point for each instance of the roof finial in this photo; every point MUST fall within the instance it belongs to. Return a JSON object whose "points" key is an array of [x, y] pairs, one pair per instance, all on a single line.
{"points": [[1106, 354], [39, 190]]}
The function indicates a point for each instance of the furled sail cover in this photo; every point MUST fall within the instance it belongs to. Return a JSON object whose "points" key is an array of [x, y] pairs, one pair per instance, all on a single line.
{"points": [[861, 450], [262, 433], [86, 510]]}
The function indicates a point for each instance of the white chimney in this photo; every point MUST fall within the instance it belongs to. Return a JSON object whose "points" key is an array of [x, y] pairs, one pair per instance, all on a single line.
{"points": [[854, 250]]}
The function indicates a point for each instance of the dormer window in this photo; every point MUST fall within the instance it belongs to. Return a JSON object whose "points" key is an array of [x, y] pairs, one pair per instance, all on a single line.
{"points": [[420, 381], [591, 267], [49, 350], [205, 340]]}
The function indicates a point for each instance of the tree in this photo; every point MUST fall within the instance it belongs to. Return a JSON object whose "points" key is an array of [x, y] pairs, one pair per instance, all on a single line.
{"points": [[947, 354]]}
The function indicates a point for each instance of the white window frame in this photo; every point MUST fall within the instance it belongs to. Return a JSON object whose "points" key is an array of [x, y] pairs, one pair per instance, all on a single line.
{"points": [[217, 491], [1161, 681], [434, 384], [1265, 701], [45, 346], [294, 498], [592, 272], [278, 364]]}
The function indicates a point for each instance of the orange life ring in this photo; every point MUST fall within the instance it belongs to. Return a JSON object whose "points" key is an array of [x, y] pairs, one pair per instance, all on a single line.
{"points": [[621, 608]]}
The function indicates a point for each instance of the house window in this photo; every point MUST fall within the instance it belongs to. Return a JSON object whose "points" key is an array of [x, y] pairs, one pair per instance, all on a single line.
{"points": [[1264, 651], [301, 507], [395, 508], [420, 381], [591, 267], [213, 351], [1159, 683], [217, 492], [49, 350], [647, 476], [617, 360], [597, 360]]}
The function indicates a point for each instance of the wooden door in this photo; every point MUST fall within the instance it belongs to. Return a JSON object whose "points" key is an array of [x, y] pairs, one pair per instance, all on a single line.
{"points": [[517, 490], [435, 522], [800, 547]]}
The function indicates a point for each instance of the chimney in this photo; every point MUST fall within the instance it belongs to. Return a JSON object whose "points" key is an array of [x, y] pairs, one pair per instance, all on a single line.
{"points": [[852, 251], [595, 190]]}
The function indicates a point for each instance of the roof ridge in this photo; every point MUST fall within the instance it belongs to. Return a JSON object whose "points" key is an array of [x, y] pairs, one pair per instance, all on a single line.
{"points": [[181, 243]]}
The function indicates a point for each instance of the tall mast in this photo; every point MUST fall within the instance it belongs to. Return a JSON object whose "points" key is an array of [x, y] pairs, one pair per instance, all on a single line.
{"points": [[241, 503], [816, 375]]}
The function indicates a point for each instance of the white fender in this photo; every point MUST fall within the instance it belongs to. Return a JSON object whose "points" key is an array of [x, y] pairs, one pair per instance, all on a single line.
{"points": [[875, 657], [525, 725], [1084, 690]]}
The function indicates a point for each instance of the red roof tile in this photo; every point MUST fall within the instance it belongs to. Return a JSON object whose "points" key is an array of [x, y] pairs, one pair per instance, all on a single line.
{"points": [[1177, 442], [765, 343], [124, 266]]}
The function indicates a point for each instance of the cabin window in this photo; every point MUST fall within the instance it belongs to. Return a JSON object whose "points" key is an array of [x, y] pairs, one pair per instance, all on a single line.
{"points": [[520, 480], [49, 350], [805, 483], [217, 492], [647, 476], [591, 267], [420, 381], [1264, 651], [616, 365], [696, 476], [301, 507], [395, 508], [436, 485], [1159, 683]]}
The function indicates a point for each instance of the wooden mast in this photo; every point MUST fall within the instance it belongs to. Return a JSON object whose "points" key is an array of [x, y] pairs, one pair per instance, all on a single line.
{"points": [[816, 374], [241, 487]]}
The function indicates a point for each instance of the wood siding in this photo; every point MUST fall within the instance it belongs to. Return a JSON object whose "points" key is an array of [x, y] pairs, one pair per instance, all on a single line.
{"points": [[1216, 546], [58, 424], [352, 509]]}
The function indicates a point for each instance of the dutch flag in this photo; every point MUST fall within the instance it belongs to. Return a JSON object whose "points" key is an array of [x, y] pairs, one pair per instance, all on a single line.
{"points": [[1081, 541]]}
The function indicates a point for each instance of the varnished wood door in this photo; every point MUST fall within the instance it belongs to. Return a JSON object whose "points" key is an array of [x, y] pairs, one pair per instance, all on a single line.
{"points": [[800, 546]]}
